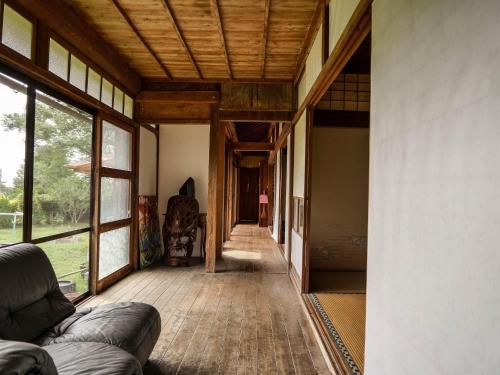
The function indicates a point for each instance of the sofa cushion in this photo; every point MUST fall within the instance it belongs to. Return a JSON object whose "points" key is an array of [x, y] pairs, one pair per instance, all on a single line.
{"points": [[132, 326], [20, 358], [92, 358], [30, 299]]}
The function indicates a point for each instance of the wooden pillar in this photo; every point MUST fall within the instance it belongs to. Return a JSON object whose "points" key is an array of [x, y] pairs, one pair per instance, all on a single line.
{"points": [[229, 195], [215, 190]]}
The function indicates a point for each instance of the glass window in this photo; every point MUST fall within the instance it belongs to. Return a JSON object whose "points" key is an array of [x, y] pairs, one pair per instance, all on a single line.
{"points": [[114, 251], [115, 199], [62, 167], [17, 31], [128, 109], [118, 100], [94, 84], [13, 101], [107, 92], [77, 73], [116, 147], [69, 257], [58, 59]]}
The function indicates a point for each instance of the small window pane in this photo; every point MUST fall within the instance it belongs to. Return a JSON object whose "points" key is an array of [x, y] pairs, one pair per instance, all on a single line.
{"points": [[62, 167], [58, 59], [115, 199], [116, 146], [114, 251], [129, 107], [107, 92], [70, 258], [77, 73], [94, 84], [13, 101], [118, 100], [17, 32]]}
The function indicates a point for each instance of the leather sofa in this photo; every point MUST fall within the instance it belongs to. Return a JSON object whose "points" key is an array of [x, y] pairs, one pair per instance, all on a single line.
{"points": [[41, 332]]}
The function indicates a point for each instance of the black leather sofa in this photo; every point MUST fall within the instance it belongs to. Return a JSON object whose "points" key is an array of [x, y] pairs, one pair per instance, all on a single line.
{"points": [[42, 333]]}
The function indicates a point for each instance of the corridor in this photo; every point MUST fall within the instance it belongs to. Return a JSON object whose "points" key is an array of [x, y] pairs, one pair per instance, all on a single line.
{"points": [[245, 319]]}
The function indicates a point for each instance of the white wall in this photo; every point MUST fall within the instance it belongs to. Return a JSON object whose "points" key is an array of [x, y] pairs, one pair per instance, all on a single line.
{"points": [[287, 198], [277, 197], [339, 198], [340, 12], [313, 65], [433, 302], [184, 153], [147, 162]]}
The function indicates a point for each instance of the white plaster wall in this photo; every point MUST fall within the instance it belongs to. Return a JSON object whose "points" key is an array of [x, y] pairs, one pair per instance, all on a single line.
{"points": [[184, 153], [433, 302], [287, 197], [312, 68], [299, 156], [147, 162], [296, 255], [339, 198], [277, 197], [340, 12]]}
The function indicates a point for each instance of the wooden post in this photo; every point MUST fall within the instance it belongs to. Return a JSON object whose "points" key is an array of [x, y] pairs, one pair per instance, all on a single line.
{"points": [[215, 190]]}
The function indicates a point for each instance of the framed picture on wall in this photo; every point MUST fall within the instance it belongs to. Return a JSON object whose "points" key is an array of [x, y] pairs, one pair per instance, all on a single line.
{"points": [[301, 217], [295, 221]]}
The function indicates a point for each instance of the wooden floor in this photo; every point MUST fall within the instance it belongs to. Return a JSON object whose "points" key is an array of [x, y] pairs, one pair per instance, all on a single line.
{"points": [[245, 319]]}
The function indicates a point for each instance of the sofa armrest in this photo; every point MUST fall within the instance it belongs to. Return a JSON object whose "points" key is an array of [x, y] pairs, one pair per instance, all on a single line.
{"points": [[20, 358]]}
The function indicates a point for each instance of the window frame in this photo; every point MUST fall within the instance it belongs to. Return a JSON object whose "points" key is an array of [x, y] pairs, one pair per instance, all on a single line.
{"points": [[30, 18], [106, 172]]}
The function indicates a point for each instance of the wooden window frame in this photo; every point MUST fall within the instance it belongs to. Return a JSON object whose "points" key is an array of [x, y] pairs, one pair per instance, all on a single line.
{"points": [[30, 18], [32, 86], [103, 172]]}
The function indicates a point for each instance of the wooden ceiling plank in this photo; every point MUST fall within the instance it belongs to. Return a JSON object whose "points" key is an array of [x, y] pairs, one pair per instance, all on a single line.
{"points": [[180, 35], [216, 10], [141, 38], [265, 38]]}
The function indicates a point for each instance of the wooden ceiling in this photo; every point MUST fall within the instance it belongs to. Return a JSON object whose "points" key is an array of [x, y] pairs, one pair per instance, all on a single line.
{"points": [[204, 40]]}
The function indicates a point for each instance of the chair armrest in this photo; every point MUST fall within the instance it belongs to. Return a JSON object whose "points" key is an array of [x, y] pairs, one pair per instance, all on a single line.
{"points": [[20, 358]]}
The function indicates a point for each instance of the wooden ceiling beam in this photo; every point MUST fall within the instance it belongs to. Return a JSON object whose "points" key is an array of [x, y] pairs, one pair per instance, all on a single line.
{"points": [[252, 146], [141, 38], [180, 35], [265, 37], [255, 116], [178, 97], [216, 11], [232, 130]]}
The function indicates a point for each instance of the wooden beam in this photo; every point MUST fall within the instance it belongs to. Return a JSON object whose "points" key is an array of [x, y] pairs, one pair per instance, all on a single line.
{"points": [[68, 23], [308, 41], [141, 38], [216, 10], [342, 119], [215, 190], [232, 130], [252, 146], [354, 34], [255, 116], [265, 37], [280, 142], [178, 96], [180, 35]]}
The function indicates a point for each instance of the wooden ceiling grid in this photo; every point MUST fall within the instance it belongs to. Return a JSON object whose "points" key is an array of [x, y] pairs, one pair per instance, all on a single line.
{"points": [[213, 40]]}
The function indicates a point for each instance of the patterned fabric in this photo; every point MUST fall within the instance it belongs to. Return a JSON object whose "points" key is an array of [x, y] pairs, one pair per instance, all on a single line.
{"points": [[149, 231], [335, 336]]}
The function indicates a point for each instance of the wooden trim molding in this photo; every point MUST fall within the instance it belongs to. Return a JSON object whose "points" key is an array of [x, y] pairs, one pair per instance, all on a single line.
{"points": [[354, 34], [252, 146]]}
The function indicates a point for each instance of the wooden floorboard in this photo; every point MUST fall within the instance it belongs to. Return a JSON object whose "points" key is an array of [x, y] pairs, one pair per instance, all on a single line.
{"points": [[244, 319]]}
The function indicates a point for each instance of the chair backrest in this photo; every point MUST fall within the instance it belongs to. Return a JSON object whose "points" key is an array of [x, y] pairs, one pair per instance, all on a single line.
{"points": [[30, 299], [181, 218]]}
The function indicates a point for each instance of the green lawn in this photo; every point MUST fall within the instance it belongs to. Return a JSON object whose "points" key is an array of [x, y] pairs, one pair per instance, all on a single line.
{"points": [[66, 255]]}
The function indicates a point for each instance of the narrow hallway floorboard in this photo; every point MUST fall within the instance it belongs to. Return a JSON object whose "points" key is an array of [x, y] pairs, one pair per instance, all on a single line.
{"points": [[245, 319]]}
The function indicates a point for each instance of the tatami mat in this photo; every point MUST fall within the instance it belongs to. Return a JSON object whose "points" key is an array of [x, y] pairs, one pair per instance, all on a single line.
{"points": [[344, 317]]}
